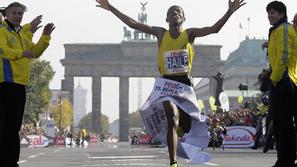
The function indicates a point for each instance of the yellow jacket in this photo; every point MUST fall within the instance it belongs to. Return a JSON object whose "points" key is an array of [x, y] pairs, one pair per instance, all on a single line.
{"points": [[25, 28], [14, 68], [83, 132], [282, 51]]}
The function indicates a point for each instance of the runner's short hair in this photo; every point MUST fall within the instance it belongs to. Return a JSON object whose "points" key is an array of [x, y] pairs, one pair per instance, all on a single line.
{"points": [[176, 6]]}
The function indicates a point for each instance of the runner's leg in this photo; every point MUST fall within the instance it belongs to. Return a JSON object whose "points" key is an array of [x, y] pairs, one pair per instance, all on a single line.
{"points": [[172, 115]]}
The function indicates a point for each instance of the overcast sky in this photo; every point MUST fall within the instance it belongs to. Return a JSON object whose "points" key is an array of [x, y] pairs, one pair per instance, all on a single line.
{"points": [[80, 21]]}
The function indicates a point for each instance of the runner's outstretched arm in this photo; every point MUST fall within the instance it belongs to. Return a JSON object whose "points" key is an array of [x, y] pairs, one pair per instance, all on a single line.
{"points": [[200, 32], [129, 21]]}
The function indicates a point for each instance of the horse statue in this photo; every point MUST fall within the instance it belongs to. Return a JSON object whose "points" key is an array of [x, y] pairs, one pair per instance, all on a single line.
{"points": [[136, 34], [127, 33]]}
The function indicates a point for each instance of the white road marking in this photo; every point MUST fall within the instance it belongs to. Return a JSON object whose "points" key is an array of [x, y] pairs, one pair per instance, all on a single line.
{"points": [[30, 157], [123, 157], [127, 164], [33, 156], [211, 164], [22, 161], [123, 160], [58, 150]]}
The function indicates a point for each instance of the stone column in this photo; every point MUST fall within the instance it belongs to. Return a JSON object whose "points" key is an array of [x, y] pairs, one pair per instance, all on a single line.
{"points": [[124, 109], [96, 104], [212, 86], [68, 85]]}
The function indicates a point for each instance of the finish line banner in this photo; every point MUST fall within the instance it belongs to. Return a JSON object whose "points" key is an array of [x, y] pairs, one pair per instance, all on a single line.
{"points": [[155, 121], [180, 94]]}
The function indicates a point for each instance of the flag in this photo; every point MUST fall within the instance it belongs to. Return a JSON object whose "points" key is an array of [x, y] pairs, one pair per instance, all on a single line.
{"points": [[240, 26]]}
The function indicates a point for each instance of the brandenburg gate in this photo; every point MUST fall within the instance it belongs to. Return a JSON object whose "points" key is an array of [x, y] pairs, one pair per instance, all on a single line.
{"points": [[132, 58]]}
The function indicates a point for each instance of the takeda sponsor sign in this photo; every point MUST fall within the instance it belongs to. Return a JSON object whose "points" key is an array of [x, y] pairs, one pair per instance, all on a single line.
{"points": [[240, 136], [37, 141]]}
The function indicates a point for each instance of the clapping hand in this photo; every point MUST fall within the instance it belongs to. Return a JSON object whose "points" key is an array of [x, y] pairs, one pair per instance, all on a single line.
{"points": [[48, 29], [35, 24]]}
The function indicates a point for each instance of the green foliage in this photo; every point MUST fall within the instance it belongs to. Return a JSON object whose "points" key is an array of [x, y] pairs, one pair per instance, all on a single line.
{"points": [[104, 123], [135, 120], [86, 121], [38, 92], [64, 111]]}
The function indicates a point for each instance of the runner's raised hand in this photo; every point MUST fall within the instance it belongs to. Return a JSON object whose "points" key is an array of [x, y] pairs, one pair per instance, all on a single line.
{"points": [[235, 4], [103, 4]]}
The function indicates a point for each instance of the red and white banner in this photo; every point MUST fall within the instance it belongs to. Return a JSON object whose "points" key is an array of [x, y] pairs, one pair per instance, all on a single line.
{"points": [[239, 137], [93, 138], [37, 141], [59, 141]]}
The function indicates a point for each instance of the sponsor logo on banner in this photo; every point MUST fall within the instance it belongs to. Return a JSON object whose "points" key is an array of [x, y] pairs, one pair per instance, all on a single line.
{"points": [[154, 120], [93, 139], [240, 136], [176, 61], [153, 114], [59, 141], [144, 139], [170, 88], [38, 141]]}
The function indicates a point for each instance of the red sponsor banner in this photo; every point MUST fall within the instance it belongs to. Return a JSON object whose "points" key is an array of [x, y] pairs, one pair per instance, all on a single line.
{"points": [[93, 139], [59, 141], [37, 141], [144, 139], [240, 137]]}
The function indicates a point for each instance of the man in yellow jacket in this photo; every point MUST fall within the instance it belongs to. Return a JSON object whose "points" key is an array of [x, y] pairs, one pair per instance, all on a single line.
{"points": [[16, 50], [282, 52], [83, 135], [29, 28]]}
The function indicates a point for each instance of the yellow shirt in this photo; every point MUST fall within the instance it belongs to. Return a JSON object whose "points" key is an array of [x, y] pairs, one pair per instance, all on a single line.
{"points": [[175, 56], [13, 67], [282, 51], [83, 132]]}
